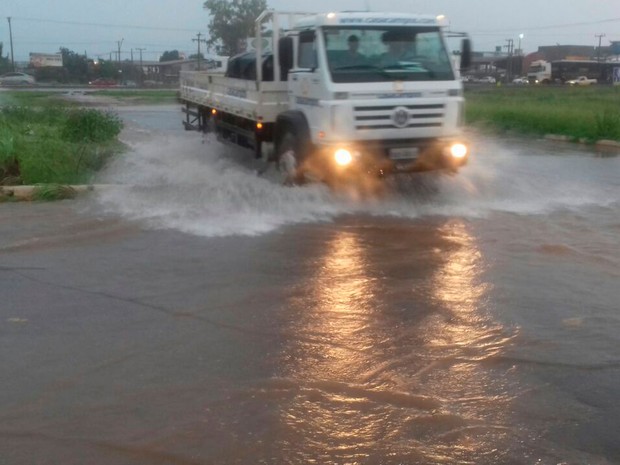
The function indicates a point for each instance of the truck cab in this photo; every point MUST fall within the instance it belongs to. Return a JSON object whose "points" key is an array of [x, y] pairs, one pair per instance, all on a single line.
{"points": [[539, 72], [382, 87]]}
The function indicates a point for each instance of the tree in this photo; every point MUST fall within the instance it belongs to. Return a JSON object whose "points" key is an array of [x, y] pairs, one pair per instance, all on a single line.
{"points": [[197, 56], [232, 22], [170, 55], [75, 64], [107, 69]]}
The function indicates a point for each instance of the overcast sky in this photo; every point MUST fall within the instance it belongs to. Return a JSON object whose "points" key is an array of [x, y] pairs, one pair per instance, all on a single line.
{"points": [[97, 27]]}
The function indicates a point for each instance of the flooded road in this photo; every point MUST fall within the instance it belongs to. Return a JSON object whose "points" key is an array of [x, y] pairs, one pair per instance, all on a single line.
{"points": [[201, 314]]}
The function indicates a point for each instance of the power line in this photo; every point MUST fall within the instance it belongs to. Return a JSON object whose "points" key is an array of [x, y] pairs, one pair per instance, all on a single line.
{"points": [[556, 26], [107, 25]]}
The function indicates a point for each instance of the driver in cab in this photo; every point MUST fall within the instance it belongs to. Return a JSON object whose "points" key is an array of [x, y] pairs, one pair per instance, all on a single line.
{"points": [[397, 49]]}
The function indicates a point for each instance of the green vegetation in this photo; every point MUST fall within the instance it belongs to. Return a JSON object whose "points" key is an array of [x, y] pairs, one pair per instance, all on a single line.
{"points": [[49, 141], [49, 192], [231, 23], [590, 114], [55, 145]]}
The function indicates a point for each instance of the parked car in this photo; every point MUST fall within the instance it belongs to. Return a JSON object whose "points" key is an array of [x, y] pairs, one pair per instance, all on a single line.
{"points": [[520, 81], [103, 82], [16, 79], [581, 81], [487, 79]]}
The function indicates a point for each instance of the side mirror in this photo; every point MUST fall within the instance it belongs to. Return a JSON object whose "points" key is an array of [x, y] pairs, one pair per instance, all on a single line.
{"points": [[465, 54]]}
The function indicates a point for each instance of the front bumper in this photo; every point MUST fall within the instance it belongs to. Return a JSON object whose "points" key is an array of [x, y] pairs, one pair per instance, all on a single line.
{"points": [[384, 158]]}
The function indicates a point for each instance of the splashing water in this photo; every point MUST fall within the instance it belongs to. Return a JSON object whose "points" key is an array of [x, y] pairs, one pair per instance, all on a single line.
{"points": [[197, 185]]}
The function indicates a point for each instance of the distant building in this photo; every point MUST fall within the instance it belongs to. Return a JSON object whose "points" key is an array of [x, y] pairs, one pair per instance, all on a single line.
{"points": [[497, 64], [501, 64]]}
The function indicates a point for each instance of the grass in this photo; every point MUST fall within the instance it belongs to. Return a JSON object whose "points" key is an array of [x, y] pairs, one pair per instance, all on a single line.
{"points": [[25, 98], [589, 114], [49, 141], [55, 145], [49, 192]]}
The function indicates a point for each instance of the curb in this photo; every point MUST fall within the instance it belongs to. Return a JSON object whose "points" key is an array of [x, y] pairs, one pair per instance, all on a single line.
{"points": [[607, 144], [599, 144], [28, 192]]}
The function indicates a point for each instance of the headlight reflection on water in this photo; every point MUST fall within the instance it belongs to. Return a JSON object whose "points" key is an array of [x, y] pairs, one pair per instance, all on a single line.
{"points": [[392, 344]]}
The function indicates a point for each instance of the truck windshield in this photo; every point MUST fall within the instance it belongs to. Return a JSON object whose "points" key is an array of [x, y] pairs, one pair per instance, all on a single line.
{"points": [[377, 54], [536, 69]]}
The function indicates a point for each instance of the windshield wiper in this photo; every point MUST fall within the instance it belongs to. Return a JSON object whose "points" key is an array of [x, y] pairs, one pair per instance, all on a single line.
{"points": [[350, 67], [409, 66]]}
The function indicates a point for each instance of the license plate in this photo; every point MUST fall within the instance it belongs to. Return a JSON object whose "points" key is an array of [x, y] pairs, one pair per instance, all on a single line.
{"points": [[408, 153]]}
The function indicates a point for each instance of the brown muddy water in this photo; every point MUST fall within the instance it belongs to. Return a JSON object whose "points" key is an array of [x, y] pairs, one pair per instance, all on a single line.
{"points": [[198, 313]]}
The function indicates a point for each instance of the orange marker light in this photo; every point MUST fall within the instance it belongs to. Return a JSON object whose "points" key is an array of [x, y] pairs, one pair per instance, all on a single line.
{"points": [[259, 125], [213, 111]]}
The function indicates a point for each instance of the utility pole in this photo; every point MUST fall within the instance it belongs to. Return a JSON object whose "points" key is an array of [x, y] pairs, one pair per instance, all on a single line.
{"points": [[11, 39], [199, 40], [120, 70], [520, 52], [119, 43], [510, 48], [598, 51], [141, 68]]}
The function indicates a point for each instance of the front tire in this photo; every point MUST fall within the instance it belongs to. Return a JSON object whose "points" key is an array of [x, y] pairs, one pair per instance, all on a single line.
{"points": [[288, 157]]}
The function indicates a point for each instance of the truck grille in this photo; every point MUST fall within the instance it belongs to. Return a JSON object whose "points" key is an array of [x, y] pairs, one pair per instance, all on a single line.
{"points": [[399, 116]]}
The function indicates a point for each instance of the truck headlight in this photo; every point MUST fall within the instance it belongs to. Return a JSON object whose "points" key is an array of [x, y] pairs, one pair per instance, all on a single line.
{"points": [[458, 150], [343, 157]]}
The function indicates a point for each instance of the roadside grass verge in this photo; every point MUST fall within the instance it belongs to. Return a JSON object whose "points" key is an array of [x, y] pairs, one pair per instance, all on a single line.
{"points": [[581, 114], [49, 192], [141, 96], [28, 98], [55, 145]]}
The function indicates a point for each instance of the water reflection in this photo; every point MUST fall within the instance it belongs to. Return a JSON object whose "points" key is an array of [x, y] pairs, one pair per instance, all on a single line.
{"points": [[393, 359]]}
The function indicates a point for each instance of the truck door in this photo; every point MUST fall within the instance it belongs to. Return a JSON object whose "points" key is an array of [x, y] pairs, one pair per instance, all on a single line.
{"points": [[305, 85]]}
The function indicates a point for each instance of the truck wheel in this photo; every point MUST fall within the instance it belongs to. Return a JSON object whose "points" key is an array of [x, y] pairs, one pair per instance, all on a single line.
{"points": [[287, 160]]}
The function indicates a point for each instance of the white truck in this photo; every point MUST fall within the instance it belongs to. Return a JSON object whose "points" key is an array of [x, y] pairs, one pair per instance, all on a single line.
{"points": [[340, 95], [539, 72]]}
